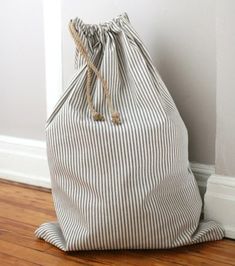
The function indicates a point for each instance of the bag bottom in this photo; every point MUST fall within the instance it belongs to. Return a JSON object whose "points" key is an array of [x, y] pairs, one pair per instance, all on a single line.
{"points": [[206, 231]]}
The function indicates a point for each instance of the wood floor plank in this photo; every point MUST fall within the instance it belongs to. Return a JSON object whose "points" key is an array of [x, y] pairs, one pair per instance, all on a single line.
{"points": [[153, 258], [22, 209], [8, 260], [31, 255], [24, 215], [26, 196], [23, 239]]}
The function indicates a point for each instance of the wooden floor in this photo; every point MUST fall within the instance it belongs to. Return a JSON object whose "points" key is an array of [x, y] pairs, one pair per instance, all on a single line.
{"points": [[22, 209]]}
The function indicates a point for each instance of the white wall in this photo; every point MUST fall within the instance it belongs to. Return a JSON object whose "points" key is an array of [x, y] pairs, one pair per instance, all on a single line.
{"points": [[180, 36], [225, 139], [22, 82]]}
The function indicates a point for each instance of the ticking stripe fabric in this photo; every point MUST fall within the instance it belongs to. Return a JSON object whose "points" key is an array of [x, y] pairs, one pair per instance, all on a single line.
{"points": [[126, 186]]}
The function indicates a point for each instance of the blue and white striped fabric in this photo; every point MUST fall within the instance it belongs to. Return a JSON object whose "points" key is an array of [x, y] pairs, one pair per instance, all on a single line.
{"points": [[126, 186]]}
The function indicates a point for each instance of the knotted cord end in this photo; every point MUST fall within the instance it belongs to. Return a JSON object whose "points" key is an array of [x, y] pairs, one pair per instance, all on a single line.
{"points": [[98, 116], [116, 118]]}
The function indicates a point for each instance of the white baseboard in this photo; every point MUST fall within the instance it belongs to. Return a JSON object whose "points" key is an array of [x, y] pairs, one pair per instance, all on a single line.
{"points": [[24, 161], [219, 202], [202, 172]]}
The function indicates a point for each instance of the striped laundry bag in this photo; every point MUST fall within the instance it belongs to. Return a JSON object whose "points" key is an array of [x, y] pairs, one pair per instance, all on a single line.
{"points": [[122, 182]]}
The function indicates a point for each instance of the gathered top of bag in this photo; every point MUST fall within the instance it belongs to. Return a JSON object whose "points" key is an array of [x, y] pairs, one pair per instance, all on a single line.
{"points": [[97, 31], [82, 34]]}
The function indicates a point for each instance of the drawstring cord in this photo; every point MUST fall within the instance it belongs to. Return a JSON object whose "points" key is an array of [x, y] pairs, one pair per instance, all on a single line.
{"points": [[91, 67]]}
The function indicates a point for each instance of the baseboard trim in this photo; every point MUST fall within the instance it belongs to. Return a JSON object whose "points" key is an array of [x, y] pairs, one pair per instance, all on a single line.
{"points": [[24, 161], [202, 172], [25, 178], [219, 202]]}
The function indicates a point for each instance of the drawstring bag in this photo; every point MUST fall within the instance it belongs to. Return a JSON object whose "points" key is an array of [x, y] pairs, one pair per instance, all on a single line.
{"points": [[118, 152]]}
